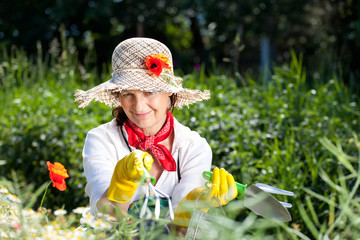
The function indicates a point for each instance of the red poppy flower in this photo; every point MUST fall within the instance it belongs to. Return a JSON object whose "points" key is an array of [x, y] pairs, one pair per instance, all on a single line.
{"points": [[156, 62], [57, 173]]}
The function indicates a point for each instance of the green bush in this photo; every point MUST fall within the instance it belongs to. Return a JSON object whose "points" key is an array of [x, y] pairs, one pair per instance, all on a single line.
{"points": [[40, 122]]}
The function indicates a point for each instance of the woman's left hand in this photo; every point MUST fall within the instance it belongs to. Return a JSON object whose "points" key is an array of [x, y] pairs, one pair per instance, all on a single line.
{"points": [[222, 187]]}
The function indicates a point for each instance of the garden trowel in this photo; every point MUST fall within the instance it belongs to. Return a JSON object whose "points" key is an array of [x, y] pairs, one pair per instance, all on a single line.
{"points": [[258, 200]]}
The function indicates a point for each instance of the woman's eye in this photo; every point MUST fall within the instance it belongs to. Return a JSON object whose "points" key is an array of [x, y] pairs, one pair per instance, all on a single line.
{"points": [[153, 93]]}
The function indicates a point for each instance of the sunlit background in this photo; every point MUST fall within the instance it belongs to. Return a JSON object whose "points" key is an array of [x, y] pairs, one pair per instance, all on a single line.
{"points": [[284, 108]]}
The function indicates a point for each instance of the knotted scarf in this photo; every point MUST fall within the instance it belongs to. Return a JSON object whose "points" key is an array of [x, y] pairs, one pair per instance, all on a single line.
{"points": [[138, 139]]}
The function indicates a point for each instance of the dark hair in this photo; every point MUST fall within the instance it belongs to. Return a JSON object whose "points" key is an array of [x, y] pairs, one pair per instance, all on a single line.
{"points": [[120, 116]]}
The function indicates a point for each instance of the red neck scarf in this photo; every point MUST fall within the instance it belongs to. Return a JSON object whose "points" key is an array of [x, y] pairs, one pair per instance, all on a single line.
{"points": [[138, 139]]}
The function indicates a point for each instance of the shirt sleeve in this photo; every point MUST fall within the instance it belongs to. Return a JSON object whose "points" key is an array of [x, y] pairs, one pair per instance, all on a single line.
{"points": [[196, 157], [99, 160]]}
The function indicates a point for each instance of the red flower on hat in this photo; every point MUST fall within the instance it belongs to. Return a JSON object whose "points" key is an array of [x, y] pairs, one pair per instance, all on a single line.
{"points": [[156, 62]]}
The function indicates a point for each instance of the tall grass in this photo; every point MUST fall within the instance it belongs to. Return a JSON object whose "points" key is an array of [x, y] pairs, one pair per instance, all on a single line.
{"points": [[285, 134], [272, 134]]}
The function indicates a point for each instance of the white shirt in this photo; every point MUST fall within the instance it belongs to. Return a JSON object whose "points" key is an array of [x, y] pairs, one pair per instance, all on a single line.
{"points": [[105, 146]]}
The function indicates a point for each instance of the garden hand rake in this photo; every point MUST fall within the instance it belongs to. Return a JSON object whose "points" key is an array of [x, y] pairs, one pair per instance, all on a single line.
{"points": [[150, 190], [258, 200]]}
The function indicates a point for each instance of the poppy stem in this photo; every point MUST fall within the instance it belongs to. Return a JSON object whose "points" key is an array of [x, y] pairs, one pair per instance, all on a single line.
{"points": [[43, 198]]}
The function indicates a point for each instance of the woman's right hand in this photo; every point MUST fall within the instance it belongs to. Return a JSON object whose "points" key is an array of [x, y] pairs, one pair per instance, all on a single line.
{"points": [[127, 174]]}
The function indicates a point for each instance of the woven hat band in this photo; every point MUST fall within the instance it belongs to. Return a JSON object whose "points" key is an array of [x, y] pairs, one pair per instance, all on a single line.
{"points": [[132, 53], [169, 78]]}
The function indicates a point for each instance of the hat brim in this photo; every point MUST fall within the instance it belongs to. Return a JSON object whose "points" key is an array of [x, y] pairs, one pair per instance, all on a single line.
{"points": [[107, 92]]}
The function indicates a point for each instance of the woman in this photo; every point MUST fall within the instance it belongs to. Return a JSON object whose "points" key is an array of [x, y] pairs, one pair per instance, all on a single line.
{"points": [[144, 134]]}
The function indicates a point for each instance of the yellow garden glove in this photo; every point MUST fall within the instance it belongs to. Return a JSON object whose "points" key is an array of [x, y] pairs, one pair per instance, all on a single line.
{"points": [[126, 176], [222, 186]]}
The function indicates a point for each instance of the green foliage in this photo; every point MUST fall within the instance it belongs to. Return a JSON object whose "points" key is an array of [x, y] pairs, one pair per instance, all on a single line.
{"points": [[40, 122], [277, 134], [342, 218], [271, 133]]}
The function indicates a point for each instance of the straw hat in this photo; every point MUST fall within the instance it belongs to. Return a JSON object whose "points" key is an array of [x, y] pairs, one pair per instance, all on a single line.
{"points": [[140, 64]]}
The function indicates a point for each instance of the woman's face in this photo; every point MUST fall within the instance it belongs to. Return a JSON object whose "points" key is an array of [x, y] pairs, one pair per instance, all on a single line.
{"points": [[147, 110]]}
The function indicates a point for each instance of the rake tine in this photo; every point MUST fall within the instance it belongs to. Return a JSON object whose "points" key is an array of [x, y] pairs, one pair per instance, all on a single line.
{"points": [[286, 204], [171, 211], [144, 206], [157, 201], [274, 190]]}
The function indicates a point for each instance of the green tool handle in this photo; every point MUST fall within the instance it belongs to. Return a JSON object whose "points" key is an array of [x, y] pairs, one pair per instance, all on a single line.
{"points": [[207, 175], [146, 176]]}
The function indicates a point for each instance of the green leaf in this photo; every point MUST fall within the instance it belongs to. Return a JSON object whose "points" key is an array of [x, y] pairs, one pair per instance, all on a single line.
{"points": [[338, 152], [307, 220]]}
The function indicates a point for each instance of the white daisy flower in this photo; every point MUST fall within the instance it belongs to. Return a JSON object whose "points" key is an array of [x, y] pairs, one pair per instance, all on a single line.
{"points": [[13, 198], [60, 212], [81, 210], [4, 190]]}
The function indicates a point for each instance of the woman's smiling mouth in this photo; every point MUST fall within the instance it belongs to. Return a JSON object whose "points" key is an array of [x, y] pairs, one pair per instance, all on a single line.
{"points": [[142, 115]]}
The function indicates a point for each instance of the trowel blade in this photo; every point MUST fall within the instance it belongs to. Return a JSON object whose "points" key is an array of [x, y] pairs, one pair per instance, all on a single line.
{"points": [[265, 205]]}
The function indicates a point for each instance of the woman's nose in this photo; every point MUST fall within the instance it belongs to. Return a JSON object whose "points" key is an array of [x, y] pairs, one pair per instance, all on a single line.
{"points": [[139, 103]]}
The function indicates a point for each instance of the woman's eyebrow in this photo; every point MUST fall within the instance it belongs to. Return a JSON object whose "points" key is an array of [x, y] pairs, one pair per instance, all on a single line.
{"points": [[125, 92]]}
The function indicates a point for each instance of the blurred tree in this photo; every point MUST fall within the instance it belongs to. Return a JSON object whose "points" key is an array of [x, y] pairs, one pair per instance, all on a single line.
{"points": [[227, 31], [344, 37], [327, 32]]}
